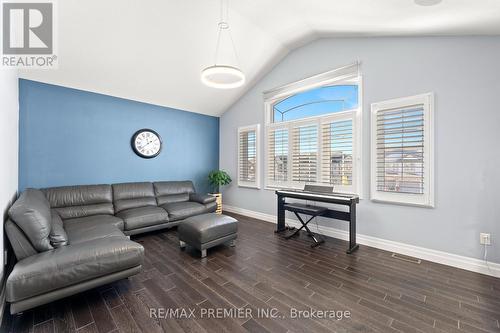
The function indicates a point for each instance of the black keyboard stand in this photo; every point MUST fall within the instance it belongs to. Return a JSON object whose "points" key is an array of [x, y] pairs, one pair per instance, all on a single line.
{"points": [[312, 211], [347, 200]]}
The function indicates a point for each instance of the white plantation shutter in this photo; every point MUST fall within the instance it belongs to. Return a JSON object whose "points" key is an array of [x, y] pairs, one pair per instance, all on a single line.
{"points": [[248, 156], [337, 152], [277, 158], [305, 153], [318, 151], [401, 150]]}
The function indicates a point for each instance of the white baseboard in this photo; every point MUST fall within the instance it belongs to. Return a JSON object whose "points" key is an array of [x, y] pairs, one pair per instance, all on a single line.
{"points": [[445, 258]]}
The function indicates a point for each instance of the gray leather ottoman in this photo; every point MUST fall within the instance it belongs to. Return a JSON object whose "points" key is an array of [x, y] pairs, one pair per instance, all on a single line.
{"points": [[208, 230]]}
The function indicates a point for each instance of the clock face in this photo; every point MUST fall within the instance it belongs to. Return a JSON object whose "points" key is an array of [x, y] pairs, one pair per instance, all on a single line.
{"points": [[146, 143]]}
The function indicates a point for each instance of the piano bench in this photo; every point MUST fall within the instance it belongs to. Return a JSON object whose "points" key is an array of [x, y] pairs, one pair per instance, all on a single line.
{"points": [[313, 211]]}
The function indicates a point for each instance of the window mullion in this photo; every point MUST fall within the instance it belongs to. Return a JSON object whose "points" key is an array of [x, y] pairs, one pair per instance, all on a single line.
{"points": [[319, 168]]}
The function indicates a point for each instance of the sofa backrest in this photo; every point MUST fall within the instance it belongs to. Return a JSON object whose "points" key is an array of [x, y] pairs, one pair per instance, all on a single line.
{"points": [[173, 191], [80, 200], [133, 195]]}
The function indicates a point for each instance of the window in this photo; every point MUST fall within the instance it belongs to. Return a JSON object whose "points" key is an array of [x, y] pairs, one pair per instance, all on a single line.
{"points": [[316, 102], [402, 151], [248, 157], [313, 132]]}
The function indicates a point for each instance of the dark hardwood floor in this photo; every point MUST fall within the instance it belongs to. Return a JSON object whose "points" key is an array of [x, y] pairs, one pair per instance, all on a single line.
{"points": [[264, 271]]}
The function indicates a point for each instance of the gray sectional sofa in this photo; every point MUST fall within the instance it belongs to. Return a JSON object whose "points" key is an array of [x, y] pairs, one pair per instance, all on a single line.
{"points": [[73, 238]]}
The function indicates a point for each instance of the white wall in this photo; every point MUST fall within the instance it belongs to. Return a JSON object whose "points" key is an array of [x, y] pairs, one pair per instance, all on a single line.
{"points": [[464, 73], [9, 115]]}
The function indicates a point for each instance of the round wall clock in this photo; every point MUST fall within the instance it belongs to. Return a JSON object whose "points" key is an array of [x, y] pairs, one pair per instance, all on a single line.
{"points": [[146, 143]]}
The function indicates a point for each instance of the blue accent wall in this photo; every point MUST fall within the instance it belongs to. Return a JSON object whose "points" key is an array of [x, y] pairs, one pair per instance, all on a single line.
{"points": [[71, 137]]}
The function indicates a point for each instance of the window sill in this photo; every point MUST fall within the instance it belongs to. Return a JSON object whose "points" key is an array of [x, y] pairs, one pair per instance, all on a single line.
{"points": [[404, 203], [255, 187]]}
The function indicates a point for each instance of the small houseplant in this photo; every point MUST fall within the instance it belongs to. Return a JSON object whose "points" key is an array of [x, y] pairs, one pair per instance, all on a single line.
{"points": [[218, 178]]}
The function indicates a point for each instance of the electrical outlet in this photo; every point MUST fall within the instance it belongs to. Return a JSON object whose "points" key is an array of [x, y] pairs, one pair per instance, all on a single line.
{"points": [[484, 239]]}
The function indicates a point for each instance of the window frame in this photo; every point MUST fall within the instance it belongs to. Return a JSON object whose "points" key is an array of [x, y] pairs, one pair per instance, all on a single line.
{"points": [[427, 198], [346, 75], [243, 129]]}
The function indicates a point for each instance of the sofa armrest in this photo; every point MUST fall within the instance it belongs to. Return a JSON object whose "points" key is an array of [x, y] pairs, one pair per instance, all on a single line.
{"points": [[201, 198]]}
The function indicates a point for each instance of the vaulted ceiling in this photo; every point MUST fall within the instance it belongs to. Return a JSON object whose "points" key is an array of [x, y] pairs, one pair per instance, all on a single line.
{"points": [[153, 50]]}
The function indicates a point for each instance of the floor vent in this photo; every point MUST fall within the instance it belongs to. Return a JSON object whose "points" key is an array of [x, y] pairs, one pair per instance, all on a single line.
{"points": [[406, 258]]}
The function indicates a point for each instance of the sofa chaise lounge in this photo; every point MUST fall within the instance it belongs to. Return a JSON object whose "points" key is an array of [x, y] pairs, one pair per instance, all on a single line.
{"points": [[74, 238]]}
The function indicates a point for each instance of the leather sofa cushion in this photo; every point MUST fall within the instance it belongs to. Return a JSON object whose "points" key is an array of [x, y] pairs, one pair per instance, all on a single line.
{"points": [[133, 195], [90, 221], [84, 211], [207, 227], [141, 217], [72, 264], [173, 191], [57, 236], [78, 195], [84, 232], [202, 198], [164, 199], [31, 213], [181, 210], [81, 200]]}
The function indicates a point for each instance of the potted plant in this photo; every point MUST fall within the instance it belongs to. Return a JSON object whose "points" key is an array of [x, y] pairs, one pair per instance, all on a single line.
{"points": [[218, 178]]}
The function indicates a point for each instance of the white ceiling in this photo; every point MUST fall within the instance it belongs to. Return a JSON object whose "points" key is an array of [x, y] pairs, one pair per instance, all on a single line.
{"points": [[153, 50]]}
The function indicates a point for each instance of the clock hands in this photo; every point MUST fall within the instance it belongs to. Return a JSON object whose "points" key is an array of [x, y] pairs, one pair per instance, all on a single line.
{"points": [[147, 144]]}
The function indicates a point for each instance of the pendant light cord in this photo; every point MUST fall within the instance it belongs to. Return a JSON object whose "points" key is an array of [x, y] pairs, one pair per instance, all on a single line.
{"points": [[219, 32], [224, 25]]}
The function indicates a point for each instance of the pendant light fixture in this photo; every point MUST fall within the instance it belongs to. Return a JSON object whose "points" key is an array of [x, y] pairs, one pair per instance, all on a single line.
{"points": [[223, 76]]}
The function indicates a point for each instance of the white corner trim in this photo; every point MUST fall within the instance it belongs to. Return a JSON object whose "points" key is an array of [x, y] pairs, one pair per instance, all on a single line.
{"points": [[440, 257]]}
